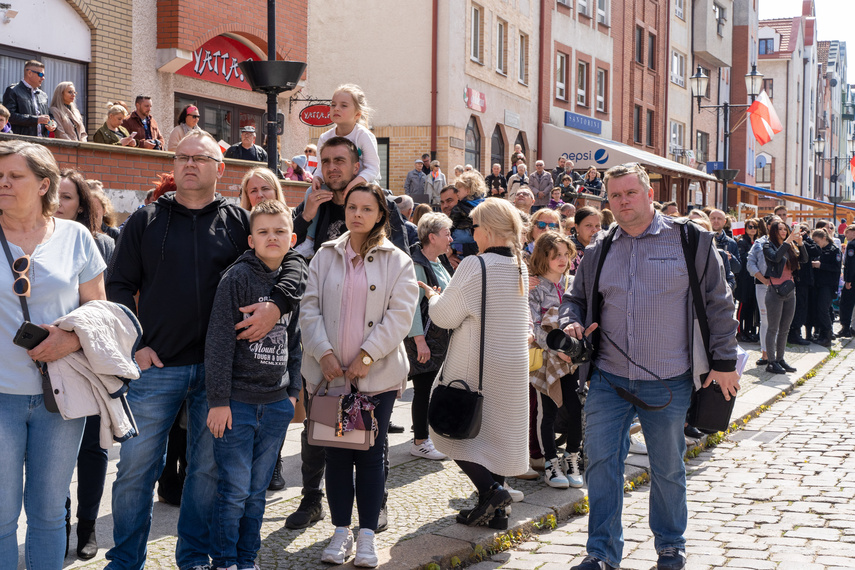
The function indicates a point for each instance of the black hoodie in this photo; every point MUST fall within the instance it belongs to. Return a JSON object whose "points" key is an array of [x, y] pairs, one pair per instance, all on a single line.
{"points": [[173, 257]]}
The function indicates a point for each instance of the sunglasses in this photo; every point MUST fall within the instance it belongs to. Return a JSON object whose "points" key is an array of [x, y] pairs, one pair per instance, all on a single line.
{"points": [[194, 116], [750, 227], [39, 73], [544, 225], [21, 267]]}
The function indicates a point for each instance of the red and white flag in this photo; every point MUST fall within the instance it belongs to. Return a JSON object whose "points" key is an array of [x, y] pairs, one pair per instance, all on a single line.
{"points": [[737, 228], [764, 119]]}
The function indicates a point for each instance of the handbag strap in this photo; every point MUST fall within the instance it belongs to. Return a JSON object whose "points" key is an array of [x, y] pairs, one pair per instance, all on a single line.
{"points": [[483, 322], [14, 275]]}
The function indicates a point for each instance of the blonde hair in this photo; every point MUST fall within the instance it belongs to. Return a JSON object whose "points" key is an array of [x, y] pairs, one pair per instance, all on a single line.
{"points": [[474, 184], [545, 248], [70, 111], [499, 218], [359, 101], [116, 109], [269, 178], [535, 217]]}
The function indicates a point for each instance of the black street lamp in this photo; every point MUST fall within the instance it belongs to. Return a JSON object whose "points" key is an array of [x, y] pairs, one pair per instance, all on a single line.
{"points": [[819, 145], [753, 85]]}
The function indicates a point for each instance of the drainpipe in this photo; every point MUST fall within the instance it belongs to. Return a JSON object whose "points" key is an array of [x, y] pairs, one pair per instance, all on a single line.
{"points": [[433, 77], [787, 146], [665, 70], [540, 89]]}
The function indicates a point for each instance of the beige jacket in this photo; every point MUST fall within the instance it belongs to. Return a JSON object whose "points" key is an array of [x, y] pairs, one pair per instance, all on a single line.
{"points": [[178, 133], [66, 128], [392, 300], [91, 381]]}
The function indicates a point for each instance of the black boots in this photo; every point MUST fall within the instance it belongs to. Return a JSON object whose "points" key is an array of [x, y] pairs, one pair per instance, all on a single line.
{"points": [[87, 546], [488, 503]]}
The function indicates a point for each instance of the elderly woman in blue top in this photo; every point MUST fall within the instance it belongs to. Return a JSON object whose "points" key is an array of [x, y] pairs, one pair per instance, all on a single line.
{"points": [[57, 268]]}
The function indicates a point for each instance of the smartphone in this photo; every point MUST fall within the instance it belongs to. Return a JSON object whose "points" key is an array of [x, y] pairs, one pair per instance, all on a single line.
{"points": [[29, 335]]}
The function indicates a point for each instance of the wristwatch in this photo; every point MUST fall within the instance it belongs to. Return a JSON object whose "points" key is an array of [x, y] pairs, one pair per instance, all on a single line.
{"points": [[366, 359]]}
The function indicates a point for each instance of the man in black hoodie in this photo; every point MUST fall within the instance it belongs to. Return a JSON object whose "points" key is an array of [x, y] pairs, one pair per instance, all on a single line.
{"points": [[172, 253]]}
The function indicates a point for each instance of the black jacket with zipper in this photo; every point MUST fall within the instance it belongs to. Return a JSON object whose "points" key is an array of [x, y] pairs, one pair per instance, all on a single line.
{"points": [[173, 257]]}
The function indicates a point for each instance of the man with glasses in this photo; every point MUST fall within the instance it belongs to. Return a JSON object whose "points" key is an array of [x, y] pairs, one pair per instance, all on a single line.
{"points": [[172, 253], [143, 124], [28, 104], [246, 149], [620, 296]]}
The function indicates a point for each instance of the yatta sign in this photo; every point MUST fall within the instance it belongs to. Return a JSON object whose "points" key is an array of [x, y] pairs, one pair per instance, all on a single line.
{"points": [[317, 115], [217, 61]]}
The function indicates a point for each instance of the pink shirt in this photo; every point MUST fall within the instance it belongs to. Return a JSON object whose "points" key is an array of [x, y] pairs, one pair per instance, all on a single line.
{"points": [[354, 298]]}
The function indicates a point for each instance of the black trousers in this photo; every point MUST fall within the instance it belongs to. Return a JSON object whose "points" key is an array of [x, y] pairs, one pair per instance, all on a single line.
{"points": [[421, 398], [824, 295], [91, 470], [748, 311], [546, 413], [802, 314], [847, 304]]}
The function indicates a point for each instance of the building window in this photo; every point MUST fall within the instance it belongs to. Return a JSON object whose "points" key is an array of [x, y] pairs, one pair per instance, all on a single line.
{"points": [[639, 44], [678, 135], [565, 3], [582, 6], [497, 148], [561, 76], [708, 73], [767, 45], [720, 17], [763, 175], [602, 89], [582, 84], [702, 146], [636, 124], [769, 87], [218, 118], [650, 125], [523, 59], [603, 12], [678, 8], [473, 144], [651, 51], [678, 68], [502, 47], [476, 31]]}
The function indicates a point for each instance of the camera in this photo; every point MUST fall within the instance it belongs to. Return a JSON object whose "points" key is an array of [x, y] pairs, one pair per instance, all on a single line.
{"points": [[579, 351]]}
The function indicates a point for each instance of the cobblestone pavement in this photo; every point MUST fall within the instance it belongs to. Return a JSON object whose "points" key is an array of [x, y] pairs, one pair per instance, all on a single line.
{"points": [[778, 494], [424, 496]]}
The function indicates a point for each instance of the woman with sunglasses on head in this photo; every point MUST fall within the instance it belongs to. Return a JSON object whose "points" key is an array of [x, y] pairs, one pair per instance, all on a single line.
{"points": [[188, 121], [588, 222], [56, 267], [745, 292]]}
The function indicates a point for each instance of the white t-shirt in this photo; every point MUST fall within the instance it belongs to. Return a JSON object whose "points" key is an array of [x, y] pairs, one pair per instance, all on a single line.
{"points": [[57, 268], [366, 142]]}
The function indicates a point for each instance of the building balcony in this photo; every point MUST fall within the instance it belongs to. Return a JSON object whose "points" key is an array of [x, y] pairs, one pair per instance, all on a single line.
{"points": [[713, 31]]}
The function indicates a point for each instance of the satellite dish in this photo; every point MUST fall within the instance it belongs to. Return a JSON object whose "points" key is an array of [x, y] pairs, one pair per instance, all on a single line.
{"points": [[761, 161], [834, 82]]}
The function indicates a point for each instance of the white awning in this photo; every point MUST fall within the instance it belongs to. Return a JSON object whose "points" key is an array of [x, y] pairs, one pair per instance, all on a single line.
{"points": [[585, 150]]}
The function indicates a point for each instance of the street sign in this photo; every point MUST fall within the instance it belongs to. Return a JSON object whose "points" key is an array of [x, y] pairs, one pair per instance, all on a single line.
{"points": [[280, 123]]}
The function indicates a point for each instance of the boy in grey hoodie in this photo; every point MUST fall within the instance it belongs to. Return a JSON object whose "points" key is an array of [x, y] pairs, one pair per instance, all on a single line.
{"points": [[252, 388]]}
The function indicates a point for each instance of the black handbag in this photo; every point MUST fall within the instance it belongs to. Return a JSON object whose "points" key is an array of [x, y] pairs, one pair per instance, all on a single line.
{"points": [[784, 289], [47, 388], [455, 413]]}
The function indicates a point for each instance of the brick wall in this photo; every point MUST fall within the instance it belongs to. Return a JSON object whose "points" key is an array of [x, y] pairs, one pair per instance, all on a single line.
{"points": [[127, 173]]}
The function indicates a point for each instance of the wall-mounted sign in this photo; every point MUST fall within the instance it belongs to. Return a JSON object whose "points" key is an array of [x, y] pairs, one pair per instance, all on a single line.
{"points": [[475, 100], [217, 61], [317, 115], [583, 123], [512, 119]]}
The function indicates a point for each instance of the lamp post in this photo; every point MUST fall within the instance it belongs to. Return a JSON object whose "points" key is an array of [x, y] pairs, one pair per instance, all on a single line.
{"points": [[753, 85], [819, 145]]}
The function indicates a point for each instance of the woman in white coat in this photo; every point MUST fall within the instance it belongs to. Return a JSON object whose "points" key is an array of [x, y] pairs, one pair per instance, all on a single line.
{"points": [[357, 309], [501, 447]]}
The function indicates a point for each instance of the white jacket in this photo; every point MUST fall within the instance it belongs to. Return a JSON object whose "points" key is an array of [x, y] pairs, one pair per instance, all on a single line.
{"points": [[393, 295], [90, 382]]}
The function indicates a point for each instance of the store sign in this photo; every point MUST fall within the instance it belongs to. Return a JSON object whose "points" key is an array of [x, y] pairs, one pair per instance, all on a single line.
{"points": [[316, 115], [217, 61], [475, 100], [583, 123]]}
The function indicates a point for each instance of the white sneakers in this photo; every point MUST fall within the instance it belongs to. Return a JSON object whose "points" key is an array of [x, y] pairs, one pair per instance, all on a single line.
{"points": [[426, 450], [570, 464], [340, 546], [366, 555], [554, 476], [517, 496], [636, 445]]}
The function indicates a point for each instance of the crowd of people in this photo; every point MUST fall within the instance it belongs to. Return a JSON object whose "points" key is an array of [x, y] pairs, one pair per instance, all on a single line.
{"points": [[234, 312]]}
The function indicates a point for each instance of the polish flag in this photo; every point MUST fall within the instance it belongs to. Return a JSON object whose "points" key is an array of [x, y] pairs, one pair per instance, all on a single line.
{"points": [[764, 119], [224, 146], [312, 161], [852, 164], [737, 228]]}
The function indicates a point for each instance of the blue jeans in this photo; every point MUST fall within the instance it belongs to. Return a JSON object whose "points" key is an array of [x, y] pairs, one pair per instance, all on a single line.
{"points": [[607, 443], [46, 445], [155, 400], [246, 456]]}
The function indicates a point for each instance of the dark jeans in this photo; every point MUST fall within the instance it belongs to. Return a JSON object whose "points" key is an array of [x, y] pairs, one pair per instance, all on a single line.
{"points": [[421, 398], [824, 296], [847, 304], [747, 311], [804, 300], [91, 470], [780, 312], [545, 418], [370, 473]]}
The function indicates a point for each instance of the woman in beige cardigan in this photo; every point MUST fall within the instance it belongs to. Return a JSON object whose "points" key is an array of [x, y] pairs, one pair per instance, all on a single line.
{"points": [[358, 307], [501, 447], [69, 122]]}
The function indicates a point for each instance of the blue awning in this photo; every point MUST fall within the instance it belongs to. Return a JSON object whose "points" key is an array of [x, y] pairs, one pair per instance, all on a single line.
{"points": [[791, 198]]}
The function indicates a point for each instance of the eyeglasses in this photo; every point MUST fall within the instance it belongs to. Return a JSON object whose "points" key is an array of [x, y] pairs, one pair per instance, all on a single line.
{"points": [[39, 73], [72, 92], [544, 225], [198, 159], [21, 267]]}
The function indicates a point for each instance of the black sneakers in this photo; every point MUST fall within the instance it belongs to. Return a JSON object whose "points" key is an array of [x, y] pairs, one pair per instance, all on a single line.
{"points": [[277, 482], [671, 558], [310, 511], [593, 563]]}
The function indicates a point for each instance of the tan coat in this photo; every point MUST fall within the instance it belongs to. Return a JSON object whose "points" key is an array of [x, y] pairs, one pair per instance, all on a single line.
{"points": [[66, 128]]}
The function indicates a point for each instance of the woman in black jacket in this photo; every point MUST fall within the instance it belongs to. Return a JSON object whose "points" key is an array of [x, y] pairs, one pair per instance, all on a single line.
{"points": [[826, 277], [784, 252], [593, 184], [745, 293]]}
